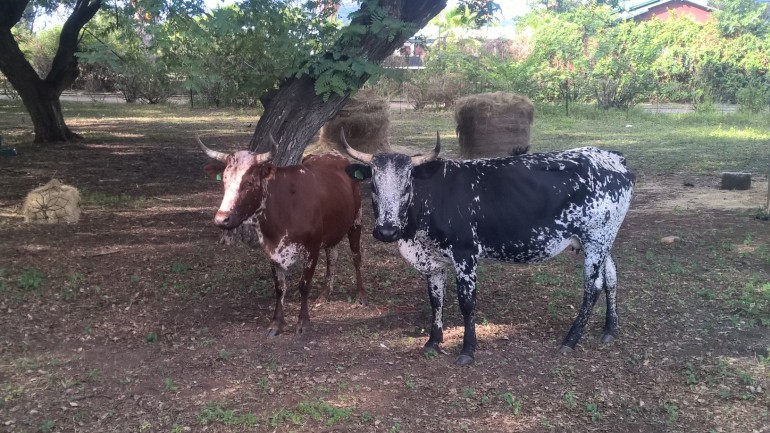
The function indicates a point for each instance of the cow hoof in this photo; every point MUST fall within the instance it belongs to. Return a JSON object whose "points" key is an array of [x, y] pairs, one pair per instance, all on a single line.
{"points": [[273, 332], [564, 349], [607, 338], [464, 360]]}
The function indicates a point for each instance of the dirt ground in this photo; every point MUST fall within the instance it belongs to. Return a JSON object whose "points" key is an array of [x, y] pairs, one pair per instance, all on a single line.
{"points": [[136, 320]]}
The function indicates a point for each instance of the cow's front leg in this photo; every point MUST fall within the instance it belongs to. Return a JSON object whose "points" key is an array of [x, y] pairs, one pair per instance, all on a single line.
{"points": [[432, 264], [279, 280], [304, 289], [436, 291], [465, 269]]}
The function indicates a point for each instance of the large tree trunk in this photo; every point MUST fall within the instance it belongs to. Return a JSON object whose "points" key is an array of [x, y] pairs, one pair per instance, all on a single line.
{"points": [[41, 96], [294, 113]]}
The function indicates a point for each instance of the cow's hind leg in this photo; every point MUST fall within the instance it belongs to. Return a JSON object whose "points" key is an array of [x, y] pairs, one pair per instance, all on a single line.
{"points": [[593, 270], [354, 239], [279, 280], [436, 292], [332, 254], [610, 290], [304, 289]]}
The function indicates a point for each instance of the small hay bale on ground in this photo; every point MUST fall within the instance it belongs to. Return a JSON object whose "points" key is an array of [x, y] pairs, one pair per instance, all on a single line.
{"points": [[366, 121], [52, 203], [735, 180], [493, 124]]}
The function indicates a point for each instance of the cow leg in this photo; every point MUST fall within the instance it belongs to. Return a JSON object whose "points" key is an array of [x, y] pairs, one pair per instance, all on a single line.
{"points": [[436, 291], [354, 239], [279, 279], [593, 273], [304, 289], [610, 290], [332, 254], [465, 270]]}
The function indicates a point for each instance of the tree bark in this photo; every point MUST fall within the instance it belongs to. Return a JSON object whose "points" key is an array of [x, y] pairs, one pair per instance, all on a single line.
{"points": [[41, 96], [294, 113]]}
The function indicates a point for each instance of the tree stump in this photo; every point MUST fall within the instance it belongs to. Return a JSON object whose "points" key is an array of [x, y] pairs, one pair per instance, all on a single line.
{"points": [[735, 180]]}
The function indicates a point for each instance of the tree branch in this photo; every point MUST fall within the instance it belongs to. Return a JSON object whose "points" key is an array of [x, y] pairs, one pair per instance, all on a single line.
{"points": [[11, 12], [64, 66]]}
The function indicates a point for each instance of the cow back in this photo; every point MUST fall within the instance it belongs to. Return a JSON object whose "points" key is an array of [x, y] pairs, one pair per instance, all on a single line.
{"points": [[314, 203], [506, 204]]}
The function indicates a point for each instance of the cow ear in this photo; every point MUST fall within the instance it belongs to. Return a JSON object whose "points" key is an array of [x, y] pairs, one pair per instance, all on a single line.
{"points": [[359, 172], [425, 171], [214, 169], [267, 171]]}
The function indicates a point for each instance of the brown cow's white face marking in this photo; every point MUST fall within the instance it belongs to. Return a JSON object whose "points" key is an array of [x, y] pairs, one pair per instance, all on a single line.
{"points": [[244, 189]]}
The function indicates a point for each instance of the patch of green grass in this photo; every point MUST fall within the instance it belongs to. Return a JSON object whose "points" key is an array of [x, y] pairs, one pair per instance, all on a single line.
{"points": [[513, 403], [216, 414], [180, 268], [321, 410], [593, 410], [9, 394], [47, 425], [96, 198], [672, 413], [30, 279], [545, 278], [569, 398], [691, 378], [751, 302], [169, 385]]}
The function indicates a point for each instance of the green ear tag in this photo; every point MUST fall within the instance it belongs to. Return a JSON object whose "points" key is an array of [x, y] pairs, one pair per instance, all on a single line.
{"points": [[358, 175], [219, 176]]}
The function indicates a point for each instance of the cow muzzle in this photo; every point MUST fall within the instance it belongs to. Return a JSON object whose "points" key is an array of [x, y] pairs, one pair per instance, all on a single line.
{"points": [[387, 233], [225, 220]]}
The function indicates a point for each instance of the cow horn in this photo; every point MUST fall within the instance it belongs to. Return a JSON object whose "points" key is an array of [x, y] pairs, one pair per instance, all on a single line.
{"points": [[213, 154], [422, 159], [366, 158], [267, 156]]}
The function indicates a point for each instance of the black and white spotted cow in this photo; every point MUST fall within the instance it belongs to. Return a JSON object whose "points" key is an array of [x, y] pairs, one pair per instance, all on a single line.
{"points": [[522, 209]]}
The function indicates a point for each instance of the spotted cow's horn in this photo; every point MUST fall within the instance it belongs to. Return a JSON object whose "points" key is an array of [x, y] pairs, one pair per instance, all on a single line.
{"points": [[213, 154], [422, 159], [361, 156]]}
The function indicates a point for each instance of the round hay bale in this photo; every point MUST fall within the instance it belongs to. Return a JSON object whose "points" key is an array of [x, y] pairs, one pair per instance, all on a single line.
{"points": [[52, 203], [365, 119], [493, 124]]}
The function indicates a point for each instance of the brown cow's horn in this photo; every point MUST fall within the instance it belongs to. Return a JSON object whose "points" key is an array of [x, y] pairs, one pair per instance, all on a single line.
{"points": [[422, 159], [267, 156], [366, 158], [213, 154]]}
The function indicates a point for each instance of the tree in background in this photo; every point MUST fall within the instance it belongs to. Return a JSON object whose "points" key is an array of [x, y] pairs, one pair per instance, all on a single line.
{"points": [[41, 95], [303, 102]]}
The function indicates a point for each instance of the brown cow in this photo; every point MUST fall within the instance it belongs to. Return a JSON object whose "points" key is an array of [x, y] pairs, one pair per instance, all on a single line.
{"points": [[290, 213]]}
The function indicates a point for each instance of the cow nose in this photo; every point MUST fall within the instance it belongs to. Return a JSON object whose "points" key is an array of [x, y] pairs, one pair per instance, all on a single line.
{"points": [[387, 233], [223, 219]]}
